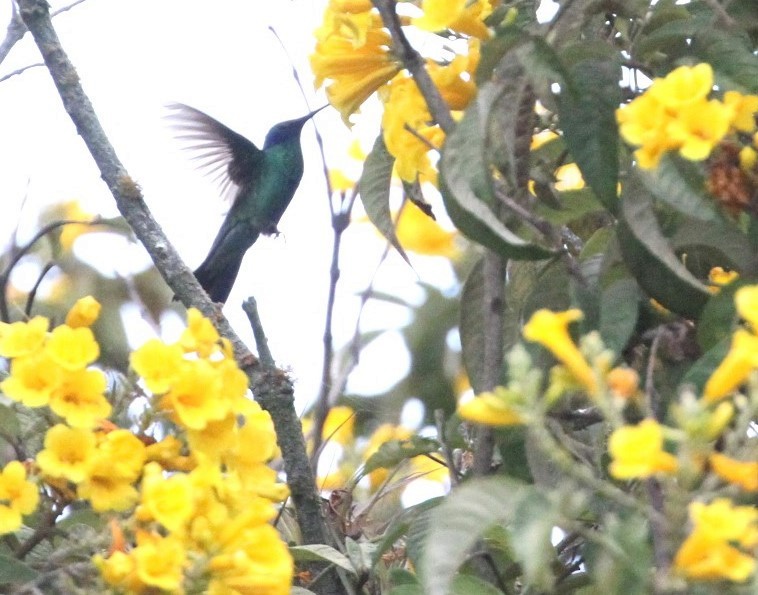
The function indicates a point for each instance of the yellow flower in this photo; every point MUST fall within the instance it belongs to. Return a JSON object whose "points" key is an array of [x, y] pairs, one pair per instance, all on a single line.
{"points": [[698, 128], [418, 232], [405, 108], [568, 177], [455, 79], [84, 312], [168, 500], [550, 329], [22, 338], [339, 424], [722, 520], [743, 108], [256, 441], [637, 451], [73, 210], [623, 382], [458, 15], [168, 453], [196, 398], [675, 114], [718, 276], [542, 138], [32, 380], [79, 398], [124, 453], [352, 52], [18, 497], [259, 562], [734, 369], [72, 348], [118, 570], [158, 364], [741, 473], [705, 559], [748, 158], [339, 181], [200, 336], [68, 453], [746, 302], [159, 562], [106, 491], [683, 86], [215, 439], [492, 408], [711, 551]]}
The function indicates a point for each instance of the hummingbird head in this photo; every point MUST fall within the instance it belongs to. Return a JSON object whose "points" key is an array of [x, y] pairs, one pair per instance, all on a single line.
{"points": [[288, 130]]}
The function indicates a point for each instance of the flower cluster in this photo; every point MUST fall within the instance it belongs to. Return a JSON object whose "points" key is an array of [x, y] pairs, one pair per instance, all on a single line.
{"points": [[53, 368], [354, 54], [676, 114], [196, 505], [722, 534], [723, 538], [205, 503]]}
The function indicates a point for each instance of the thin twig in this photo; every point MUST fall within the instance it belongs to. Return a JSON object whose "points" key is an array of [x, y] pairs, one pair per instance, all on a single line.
{"points": [[21, 251], [413, 61], [250, 307], [33, 292], [18, 71], [720, 13], [439, 421], [340, 221]]}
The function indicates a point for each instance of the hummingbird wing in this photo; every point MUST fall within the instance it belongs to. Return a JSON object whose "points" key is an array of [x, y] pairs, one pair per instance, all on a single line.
{"points": [[226, 155]]}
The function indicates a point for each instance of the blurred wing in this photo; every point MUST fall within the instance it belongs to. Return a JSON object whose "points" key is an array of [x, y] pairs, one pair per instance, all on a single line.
{"points": [[228, 157]]}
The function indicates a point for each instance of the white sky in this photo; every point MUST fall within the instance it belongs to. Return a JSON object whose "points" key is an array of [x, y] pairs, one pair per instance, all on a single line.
{"points": [[134, 57]]}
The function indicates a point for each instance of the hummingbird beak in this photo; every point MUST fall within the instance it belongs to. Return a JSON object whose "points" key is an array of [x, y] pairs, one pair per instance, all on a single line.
{"points": [[314, 112]]}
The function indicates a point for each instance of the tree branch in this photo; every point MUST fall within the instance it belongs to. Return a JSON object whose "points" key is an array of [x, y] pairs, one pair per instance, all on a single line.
{"points": [[413, 61], [272, 388]]}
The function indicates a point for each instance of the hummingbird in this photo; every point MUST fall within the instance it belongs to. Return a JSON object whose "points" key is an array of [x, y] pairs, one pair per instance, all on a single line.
{"points": [[260, 183]]}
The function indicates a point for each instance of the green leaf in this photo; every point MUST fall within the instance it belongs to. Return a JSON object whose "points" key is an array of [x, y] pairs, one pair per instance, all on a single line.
{"points": [[374, 188], [465, 584], [469, 511], [467, 193], [394, 452], [649, 257], [360, 554], [321, 553], [719, 316], [623, 564], [300, 591], [722, 241], [15, 572], [575, 204], [681, 185], [731, 55], [619, 309], [588, 120], [10, 428]]}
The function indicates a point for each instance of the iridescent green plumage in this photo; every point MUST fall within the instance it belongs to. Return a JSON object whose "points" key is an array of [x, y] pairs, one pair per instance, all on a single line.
{"points": [[261, 181]]}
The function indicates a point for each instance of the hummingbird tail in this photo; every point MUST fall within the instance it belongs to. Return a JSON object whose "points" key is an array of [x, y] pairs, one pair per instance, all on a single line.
{"points": [[219, 270]]}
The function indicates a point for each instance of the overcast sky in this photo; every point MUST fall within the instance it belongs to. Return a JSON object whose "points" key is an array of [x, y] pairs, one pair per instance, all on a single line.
{"points": [[136, 56]]}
